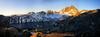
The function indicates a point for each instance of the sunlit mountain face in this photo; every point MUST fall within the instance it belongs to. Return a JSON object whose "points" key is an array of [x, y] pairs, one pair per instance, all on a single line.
{"points": [[70, 11], [73, 11]]}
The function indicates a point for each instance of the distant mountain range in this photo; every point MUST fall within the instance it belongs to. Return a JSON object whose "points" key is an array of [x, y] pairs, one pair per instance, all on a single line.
{"points": [[69, 19], [49, 16]]}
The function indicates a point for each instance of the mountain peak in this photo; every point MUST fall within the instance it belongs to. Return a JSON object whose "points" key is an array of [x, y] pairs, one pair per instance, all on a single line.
{"points": [[71, 11]]}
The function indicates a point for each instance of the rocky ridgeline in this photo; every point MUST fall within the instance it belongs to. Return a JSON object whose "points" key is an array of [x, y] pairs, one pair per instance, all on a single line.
{"points": [[36, 17], [36, 20]]}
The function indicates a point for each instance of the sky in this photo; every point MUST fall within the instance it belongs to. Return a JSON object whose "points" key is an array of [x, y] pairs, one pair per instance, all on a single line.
{"points": [[11, 7]]}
